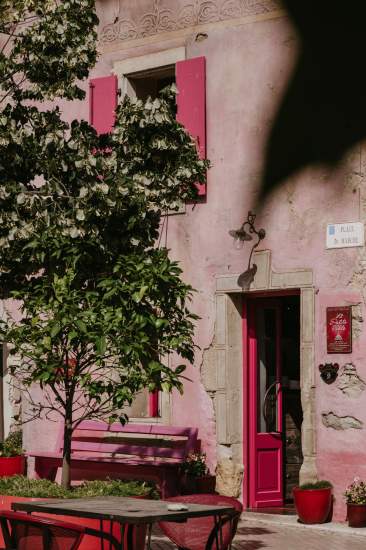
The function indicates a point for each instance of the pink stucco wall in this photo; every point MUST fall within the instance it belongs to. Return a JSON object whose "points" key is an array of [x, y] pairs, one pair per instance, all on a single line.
{"points": [[247, 68]]}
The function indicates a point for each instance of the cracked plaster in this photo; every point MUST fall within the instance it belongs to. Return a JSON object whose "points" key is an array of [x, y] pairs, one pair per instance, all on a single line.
{"points": [[357, 321], [332, 420], [349, 381]]}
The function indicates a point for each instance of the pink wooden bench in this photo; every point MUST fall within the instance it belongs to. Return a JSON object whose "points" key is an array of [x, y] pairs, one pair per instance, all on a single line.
{"points": [[136, 451]]}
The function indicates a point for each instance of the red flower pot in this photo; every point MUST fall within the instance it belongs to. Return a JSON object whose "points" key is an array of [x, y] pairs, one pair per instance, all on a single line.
{"points": [[12, 465], [313, 505], [356, 515], [190, 485], [206, 484]]}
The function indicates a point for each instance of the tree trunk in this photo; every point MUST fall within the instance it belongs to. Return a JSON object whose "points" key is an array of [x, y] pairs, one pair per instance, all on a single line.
{"points": [[66, 460]]}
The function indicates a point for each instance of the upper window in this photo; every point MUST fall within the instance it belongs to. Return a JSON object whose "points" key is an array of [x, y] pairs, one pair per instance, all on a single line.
{"points": [[150, 83]]}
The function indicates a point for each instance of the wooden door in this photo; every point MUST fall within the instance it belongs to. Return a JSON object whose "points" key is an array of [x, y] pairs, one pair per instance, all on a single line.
{"points": [[265, 404]]}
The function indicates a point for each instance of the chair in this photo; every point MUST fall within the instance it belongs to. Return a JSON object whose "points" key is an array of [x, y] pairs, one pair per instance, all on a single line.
{"points": [[202, 533], [24, 532]]}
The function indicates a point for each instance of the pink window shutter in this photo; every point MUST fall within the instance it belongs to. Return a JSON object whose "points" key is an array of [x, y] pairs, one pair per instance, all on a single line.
{"points": [[103, 103], [154, 404], [191, 103]]}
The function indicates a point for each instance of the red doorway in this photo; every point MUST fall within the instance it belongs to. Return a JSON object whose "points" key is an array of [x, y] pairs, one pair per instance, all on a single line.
{"points": [[273, 413]]}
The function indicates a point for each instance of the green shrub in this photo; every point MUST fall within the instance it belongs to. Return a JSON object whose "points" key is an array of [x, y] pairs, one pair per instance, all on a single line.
{"points": [[322, 484], [13, 445], [115, 488], [195, 465], [21, 486]]}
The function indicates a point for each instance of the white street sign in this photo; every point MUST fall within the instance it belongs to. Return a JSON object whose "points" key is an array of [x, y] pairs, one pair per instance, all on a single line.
{"points": [[343, 235]]}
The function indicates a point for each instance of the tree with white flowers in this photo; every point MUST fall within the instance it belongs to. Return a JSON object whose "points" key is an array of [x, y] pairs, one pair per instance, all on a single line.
{"points": [[102, 305]]}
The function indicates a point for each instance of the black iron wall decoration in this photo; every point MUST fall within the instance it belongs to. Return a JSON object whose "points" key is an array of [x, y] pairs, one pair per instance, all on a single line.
{"points": [[241, 235], [329, 372]]}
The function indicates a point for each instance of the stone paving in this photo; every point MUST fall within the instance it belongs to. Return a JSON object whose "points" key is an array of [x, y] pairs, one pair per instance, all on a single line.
{"points": [[256, 535]]}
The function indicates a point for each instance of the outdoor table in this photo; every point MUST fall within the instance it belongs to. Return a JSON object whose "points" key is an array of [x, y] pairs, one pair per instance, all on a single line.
{"points": [[127, 512]]}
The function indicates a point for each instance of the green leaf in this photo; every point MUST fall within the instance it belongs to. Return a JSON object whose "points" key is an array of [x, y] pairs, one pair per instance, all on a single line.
{"points": [[46, 342], [82, 326], [180, 369], [56, 328], [160, 322], [101, 345]]}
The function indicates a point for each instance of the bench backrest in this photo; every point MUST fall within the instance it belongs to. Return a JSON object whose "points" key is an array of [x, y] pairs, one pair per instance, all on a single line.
{"points": [[94, 438]]}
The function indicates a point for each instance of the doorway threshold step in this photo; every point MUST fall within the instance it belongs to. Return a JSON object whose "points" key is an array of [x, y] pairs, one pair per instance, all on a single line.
{"points": [[269, 517], [250, 516], [286, 510]]}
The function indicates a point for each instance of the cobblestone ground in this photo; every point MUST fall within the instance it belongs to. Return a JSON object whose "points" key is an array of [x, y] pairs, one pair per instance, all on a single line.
{"points": [[254, 535]]}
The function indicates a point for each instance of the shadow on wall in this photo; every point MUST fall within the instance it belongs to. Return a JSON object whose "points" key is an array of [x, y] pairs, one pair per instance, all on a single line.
{"points": [[323, 113]]}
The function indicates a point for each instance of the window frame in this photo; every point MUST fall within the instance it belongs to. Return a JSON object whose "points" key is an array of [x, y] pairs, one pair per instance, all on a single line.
{"points": [[124, 70], [127, 67]]}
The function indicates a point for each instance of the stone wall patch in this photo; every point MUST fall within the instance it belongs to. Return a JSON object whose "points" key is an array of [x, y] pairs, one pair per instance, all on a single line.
{"points": [[349, 381], [332, 420]]}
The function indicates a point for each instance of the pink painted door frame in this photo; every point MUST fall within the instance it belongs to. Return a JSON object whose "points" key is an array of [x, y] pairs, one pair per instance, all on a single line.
{"points": [[265, 453]]}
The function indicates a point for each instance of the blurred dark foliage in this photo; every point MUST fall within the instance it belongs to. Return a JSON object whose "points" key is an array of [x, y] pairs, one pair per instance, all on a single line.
{"points": [[323, 112]]}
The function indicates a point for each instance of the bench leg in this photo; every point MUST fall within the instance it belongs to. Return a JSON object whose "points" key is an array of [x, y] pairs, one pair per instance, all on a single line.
{"points": [[169, 485], [44, 471]]}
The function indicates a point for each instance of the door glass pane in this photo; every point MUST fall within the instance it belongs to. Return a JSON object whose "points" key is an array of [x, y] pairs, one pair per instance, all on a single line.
{"points": [[266, 328]]}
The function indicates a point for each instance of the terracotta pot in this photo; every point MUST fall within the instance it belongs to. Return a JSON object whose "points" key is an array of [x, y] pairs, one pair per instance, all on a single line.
{"points": [[206, 484], [12, 465], [190, 485], [88, 543], [313, 505], [356, 515]]}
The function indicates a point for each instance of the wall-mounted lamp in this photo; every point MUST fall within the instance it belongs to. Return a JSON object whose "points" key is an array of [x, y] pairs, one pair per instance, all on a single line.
{"points": [[240, 236]]}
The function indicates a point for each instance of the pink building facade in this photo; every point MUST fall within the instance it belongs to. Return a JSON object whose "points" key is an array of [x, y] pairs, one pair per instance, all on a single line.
{"points": [[266, 418]]}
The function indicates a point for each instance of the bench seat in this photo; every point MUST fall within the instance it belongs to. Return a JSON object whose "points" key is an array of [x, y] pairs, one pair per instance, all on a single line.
{"points": [[150, 452]]}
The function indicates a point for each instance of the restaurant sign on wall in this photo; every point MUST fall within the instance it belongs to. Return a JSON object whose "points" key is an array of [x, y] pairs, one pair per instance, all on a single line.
{"points": [[339, 329]]}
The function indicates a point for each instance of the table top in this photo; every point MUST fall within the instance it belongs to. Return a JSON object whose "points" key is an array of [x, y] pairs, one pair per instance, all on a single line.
{"points": [[121, 509]]}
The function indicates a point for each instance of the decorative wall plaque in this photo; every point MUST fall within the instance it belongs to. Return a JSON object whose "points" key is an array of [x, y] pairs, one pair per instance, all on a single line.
{"points": [[329, 372], [339, 329]]}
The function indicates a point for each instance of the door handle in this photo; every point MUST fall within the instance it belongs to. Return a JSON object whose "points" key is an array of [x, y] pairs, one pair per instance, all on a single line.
{"points": [[264, 407]]}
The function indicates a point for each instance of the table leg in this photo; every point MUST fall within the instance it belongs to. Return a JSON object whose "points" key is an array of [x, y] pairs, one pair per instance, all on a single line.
{"points": [[123, 531], [149, 536], [231, 532], [102, 540], [130, 532], [111, 534], [220, 530], [216, 533], [127, 536], [101, 526], [219, 539]]}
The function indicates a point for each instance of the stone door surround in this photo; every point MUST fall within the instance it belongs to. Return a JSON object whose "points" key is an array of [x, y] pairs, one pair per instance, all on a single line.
{"points": [[222, 368]]}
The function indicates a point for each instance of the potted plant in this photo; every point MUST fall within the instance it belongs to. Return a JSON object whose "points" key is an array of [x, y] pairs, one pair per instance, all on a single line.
{"points": [[19, 488], [12, 461], [313, 501], [196, 477], [356, 503]]}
